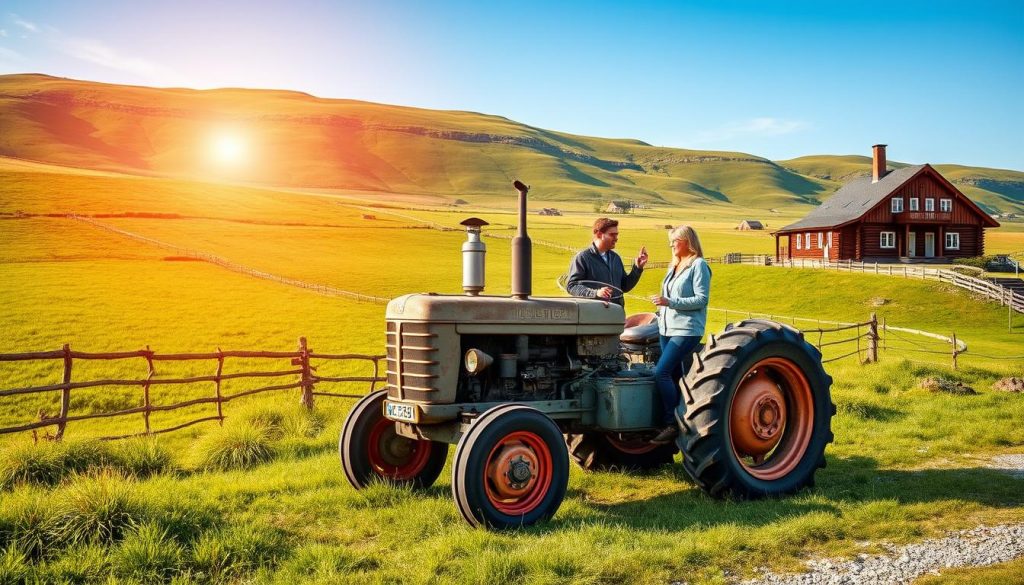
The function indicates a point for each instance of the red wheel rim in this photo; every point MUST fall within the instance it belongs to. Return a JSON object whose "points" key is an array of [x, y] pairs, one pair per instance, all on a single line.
{"points": [[518, 473], [771, 418], [631, 446], [394, 456]]}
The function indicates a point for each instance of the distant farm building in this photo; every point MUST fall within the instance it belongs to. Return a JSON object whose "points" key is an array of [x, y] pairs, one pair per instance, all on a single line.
{"points": [[912, 214], [549, 211], [750, 224], [619, 207]]}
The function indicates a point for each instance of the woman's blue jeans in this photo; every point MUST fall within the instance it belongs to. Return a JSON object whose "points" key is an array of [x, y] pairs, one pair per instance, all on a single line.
{"points": [[676, 358]]}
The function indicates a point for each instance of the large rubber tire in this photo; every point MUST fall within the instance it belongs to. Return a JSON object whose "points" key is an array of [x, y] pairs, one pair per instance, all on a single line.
{"points": [[604, 452], [511, 468], [756, 413], [371, 451]]}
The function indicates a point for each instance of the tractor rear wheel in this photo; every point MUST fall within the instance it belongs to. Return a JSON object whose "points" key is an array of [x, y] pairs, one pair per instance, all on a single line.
{"points": [[511, 468], [610, 451], [756, 413], [371, 450]]}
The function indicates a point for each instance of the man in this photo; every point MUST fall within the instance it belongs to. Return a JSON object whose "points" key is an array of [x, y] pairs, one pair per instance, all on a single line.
{"points": [[598, 271]]}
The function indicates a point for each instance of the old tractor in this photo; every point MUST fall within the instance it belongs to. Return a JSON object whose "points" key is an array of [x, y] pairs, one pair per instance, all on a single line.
{"points": [[520, 384]]}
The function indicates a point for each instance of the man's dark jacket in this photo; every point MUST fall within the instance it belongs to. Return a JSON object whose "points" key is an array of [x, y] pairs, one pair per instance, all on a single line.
{"points": [[588, 266]]}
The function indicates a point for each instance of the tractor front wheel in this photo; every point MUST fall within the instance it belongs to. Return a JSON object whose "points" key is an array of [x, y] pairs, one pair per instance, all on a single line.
{"points": [[511, 468], [756, 413], [371, 450]]}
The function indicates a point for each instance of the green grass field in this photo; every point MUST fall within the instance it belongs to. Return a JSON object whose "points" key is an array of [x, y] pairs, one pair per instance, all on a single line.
{"points": [[906, 463]]}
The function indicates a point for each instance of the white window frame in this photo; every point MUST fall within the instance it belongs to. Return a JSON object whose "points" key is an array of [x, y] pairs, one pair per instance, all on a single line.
{"points": [[829, 239], [946, 205], [821, 239], [929, 204], [882, 240], [799, 238], [955, 240], [915, 204], [897, 205]]}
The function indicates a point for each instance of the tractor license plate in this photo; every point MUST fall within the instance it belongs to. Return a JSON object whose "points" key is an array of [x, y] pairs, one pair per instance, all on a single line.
{"points": [[400, 411]]}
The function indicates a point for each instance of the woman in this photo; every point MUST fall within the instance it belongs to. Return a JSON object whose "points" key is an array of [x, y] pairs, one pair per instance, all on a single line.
{"points": [[681, 319]]}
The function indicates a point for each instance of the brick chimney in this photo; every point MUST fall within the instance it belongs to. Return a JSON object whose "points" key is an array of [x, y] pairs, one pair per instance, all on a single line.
{"points": [[878, 162]]}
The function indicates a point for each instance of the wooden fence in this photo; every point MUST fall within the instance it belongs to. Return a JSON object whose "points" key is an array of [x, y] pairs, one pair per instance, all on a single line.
{"points": [[1005, 296], [302, 377]]}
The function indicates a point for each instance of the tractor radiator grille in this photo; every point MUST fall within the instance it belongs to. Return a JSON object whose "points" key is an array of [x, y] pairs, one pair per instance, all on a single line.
{"points": [[413, 366]]}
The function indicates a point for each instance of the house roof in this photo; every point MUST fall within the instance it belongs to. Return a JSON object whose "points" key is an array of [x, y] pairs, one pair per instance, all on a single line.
{"points": [[620, 203], [854, 199], [751, 222]]}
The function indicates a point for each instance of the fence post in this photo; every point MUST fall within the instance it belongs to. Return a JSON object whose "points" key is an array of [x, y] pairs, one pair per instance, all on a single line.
{"points": [[954, 350], [65, 394], [220, 397], [873, 339], [307, 377], [147, 403]]}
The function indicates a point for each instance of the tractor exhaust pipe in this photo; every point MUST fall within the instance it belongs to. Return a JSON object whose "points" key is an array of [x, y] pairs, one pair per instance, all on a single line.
{"points": [[522, 250]]}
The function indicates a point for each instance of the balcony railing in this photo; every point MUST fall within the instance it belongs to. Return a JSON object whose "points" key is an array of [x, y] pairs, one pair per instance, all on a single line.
{"points": [[924, 217]]}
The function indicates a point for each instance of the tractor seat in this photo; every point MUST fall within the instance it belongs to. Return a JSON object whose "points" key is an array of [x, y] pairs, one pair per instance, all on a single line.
{"points": [[641, 329]]}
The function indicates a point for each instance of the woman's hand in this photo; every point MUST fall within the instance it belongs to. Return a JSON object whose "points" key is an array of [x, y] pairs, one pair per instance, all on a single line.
{"points": [[659, 301]]}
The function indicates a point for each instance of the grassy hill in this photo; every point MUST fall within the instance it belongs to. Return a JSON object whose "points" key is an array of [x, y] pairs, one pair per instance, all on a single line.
{"points": [[292, 139]]}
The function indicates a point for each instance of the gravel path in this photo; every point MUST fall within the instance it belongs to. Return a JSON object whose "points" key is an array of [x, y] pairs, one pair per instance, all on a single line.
{"points": [[985, 545]]}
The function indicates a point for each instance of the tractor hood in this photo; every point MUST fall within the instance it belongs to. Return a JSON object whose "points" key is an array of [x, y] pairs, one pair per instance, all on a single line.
{"points": [[554, 315]]}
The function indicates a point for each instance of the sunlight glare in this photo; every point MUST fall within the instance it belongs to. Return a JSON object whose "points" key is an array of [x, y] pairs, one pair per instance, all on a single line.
{"points": [[228, 149]]}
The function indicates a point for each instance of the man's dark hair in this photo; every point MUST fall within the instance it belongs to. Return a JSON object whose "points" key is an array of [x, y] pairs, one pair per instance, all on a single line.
{"points": [[603, 224]]}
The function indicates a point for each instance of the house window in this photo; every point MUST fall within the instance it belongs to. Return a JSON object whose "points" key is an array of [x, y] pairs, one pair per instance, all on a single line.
{"points": [[888, 240], [945, 205], [830, 239], [952, 241], [821, 238], [897, 204], [915, 204], [799, 238], [929, 204]]}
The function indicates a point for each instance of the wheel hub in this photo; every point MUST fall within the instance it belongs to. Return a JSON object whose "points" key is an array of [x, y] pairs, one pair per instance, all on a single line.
{"points": [[758, 415], [513, 470]]}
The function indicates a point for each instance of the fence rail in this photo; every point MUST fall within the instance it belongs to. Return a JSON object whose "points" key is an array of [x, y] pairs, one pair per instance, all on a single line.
{"points": [[1005, 296], [304, 378]]}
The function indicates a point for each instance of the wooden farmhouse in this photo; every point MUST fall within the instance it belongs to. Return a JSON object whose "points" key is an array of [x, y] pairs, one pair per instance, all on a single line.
{"points": [[912, 214]]}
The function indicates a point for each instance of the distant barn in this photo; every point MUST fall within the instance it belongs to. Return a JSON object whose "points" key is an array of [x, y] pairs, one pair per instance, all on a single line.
{"points": [[549, 211], [750, 224], [912, 214], [619, 207]]}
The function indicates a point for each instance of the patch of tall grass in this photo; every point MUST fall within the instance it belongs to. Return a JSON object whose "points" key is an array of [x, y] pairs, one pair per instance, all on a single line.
{"points": [[240, 445], [230, 552], [147, 554]]}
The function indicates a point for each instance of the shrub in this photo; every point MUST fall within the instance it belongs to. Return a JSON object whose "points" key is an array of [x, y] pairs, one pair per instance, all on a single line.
{"points": [[236, 446], [148, 555], [142, 457], [100, 508]]}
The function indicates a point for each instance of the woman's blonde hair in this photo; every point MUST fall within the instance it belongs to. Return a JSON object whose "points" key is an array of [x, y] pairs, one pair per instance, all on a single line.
{"points": [[687, 233]]}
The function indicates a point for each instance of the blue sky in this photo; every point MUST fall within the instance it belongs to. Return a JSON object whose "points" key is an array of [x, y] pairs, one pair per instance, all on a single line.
{"points": [[940, 82]]}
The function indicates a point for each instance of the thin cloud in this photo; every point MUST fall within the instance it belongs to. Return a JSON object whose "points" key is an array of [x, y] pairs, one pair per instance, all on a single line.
{"points": [[29, 26], [99, 53], [10, 55], [3, 33], [754, 127]]}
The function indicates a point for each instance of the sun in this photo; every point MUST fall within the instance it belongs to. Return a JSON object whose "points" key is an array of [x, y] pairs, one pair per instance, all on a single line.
{"points": [[227, 149]]}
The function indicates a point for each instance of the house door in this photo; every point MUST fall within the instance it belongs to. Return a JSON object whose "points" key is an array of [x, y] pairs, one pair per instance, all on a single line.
{"points": [[929, 245], [912, 244]]}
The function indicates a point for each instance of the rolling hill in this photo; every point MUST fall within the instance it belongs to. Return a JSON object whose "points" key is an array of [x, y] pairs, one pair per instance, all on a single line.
{"points": [[296, 140]]}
